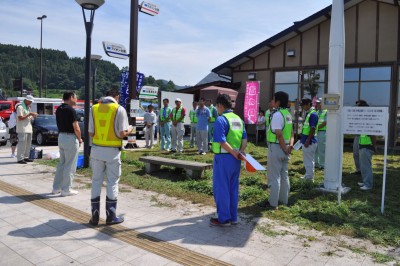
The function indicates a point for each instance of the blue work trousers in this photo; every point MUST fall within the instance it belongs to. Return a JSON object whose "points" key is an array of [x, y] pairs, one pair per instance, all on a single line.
{"points": [[165, 134], [226, 174]]}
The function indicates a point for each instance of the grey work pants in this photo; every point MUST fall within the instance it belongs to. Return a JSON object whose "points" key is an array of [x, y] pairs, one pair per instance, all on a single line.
{"points": [[320, 152], [106, 161], [308, 160], [356, 155], [202, 140], [278, 175], [69, 148], [149, 136], [366, 167], [24, 146], [177, 133], [193, 130]]}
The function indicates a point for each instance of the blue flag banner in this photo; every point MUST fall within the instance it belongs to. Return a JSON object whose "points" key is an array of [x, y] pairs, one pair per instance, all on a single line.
{"points": [[139, 81], [124, 87]]}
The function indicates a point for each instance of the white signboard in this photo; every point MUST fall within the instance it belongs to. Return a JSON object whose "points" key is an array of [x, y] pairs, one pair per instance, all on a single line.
{"points": [[368, 121], [365, 120], [135, 108], [148, 92], [149, 8], [115, 50]]}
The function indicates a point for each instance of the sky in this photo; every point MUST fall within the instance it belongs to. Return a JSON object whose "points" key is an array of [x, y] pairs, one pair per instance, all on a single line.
{"points": [[183, 43]]}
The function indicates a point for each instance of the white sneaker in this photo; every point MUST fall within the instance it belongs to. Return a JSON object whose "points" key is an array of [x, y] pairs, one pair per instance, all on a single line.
{"points": [[56, 191], [13, 156], [69, 193], [361, 184], [365, 188], [203, 153]]}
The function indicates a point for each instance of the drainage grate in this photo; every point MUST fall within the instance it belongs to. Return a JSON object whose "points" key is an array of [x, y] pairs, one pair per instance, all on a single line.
{"points": [[157, 246]]}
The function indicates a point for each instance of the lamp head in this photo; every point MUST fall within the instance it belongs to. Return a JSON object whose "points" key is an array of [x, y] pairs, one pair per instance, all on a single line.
{"points": [[95, 57], [90, 4], [42, 17]]}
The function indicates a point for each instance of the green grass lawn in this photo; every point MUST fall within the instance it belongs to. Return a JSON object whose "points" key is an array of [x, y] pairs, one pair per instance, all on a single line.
{"points": [[358, 215]]}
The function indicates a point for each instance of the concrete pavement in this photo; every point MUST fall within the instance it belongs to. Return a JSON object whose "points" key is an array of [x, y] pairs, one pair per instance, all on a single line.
{"points": [[37, 228]]}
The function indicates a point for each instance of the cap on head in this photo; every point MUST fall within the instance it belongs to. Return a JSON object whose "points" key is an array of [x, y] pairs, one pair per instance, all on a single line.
{"points": [[319, 100], [305, 101], [178, 100], [29, 98]]}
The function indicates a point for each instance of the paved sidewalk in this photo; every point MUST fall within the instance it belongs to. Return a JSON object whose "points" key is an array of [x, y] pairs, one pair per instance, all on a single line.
{"points": [[32, 235]]}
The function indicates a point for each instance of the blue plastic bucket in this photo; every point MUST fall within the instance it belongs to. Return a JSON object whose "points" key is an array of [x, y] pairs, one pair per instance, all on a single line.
{"points": [[79, 162]]}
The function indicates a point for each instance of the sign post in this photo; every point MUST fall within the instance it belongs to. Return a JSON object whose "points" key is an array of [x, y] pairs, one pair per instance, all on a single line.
{"points": [[368, 121]]}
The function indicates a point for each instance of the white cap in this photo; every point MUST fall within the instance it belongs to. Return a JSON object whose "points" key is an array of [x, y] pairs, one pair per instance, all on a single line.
{"points": [[319, 100], [29, 98], [178, 100]]}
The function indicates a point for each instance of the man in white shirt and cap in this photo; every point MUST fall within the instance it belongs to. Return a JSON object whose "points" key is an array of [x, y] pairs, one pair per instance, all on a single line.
{"points": [[24, 129]]}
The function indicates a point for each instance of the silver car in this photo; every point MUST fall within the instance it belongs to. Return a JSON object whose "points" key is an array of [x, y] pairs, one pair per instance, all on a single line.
{"points": [[3, 133]]}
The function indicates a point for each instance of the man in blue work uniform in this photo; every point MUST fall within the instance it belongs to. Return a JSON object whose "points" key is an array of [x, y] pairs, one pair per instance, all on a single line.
{"points": [[308, 138], [230, 140]]}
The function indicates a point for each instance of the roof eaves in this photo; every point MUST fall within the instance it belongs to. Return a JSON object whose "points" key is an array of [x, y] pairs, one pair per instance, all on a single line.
{"points": [[225, 67]]}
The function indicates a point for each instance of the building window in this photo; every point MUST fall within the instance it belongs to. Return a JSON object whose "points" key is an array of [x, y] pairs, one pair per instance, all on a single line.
{"points": [[299, 84], [371, 84]]}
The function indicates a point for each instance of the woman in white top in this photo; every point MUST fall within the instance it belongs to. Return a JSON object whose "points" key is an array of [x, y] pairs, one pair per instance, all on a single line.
{"points": [[261, 126]]}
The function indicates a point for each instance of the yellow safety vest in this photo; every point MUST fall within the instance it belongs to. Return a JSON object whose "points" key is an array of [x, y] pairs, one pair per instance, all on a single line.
{"points": [[104, 120], [286, 130], [212, 118], [193, 117], [176, 114], [234, 136]]}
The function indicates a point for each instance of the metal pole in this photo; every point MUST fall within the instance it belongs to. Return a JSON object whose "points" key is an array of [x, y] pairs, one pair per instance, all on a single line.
{"points": [[94, 81], [334, 137], [45, 78], [41, 58], [89, 28], [133, 43], [41, 54]]}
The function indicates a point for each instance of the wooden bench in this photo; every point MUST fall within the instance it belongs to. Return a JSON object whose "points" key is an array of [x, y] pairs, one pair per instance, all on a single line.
{"points": [[193, 169]]}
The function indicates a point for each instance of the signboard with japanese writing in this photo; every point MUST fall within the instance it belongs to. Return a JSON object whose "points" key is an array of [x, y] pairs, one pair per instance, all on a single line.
{"points": [[148, 92], [135, 108], [365, 120], [251, 102], [115, 50], [149, 8]]}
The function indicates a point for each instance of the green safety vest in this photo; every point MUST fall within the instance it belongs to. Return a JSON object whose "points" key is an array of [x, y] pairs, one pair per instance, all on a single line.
{"points": [[176, 114], [267, 118], [167, 113], [365, 140], [306, 126], [321, 119], [286, 130], [212, 118], [193, 117], [235, 133]]}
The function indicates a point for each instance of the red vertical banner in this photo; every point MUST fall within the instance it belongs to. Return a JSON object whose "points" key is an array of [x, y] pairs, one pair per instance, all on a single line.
{"points": [[251, 102]]}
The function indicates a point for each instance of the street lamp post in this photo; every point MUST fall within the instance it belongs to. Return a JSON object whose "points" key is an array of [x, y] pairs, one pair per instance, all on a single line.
{"points": [[45, 77], [41, 54], [90, 5], [94, 58]]}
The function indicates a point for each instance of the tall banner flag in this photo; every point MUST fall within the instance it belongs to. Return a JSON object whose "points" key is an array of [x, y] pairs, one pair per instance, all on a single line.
{"points": [[124, 87], [251, 102], [139, 81]]}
